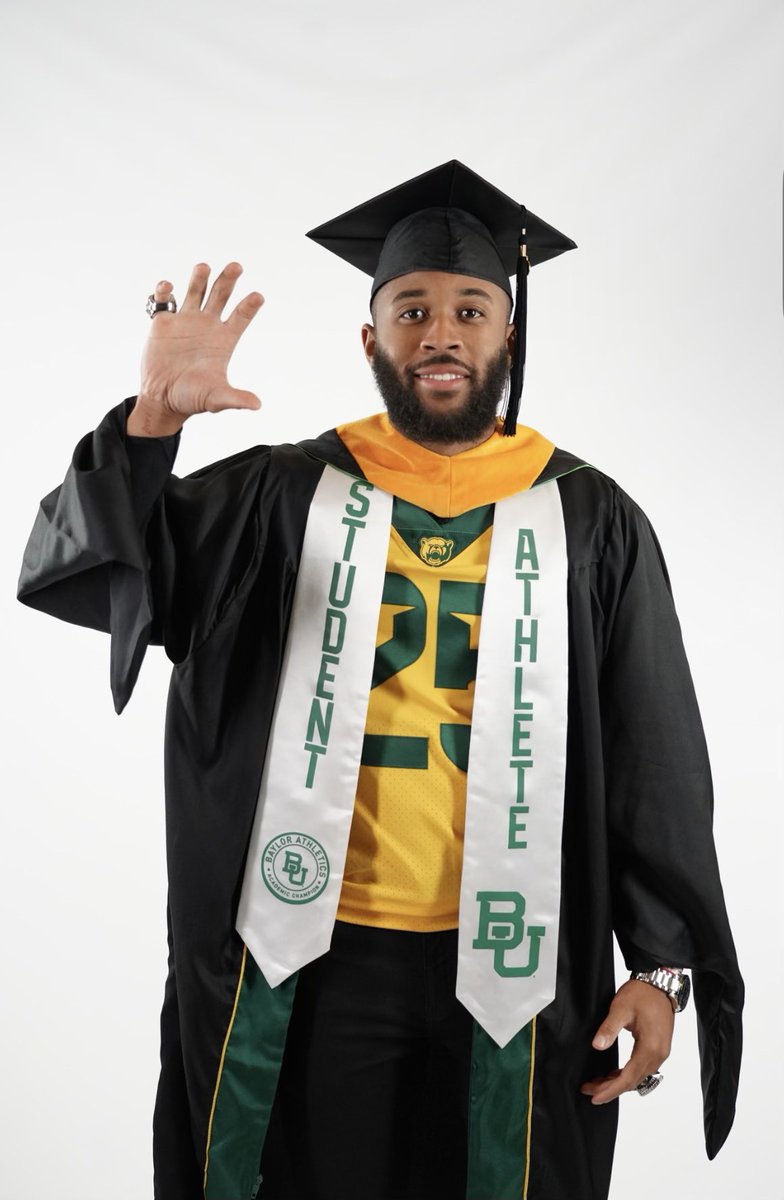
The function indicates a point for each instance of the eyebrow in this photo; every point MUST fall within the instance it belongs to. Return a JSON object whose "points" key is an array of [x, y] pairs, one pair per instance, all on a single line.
{"points": [[417, 293]]}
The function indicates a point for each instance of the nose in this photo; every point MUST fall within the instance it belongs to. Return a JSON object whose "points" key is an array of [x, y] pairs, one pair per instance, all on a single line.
{"points": [[441, 332]]}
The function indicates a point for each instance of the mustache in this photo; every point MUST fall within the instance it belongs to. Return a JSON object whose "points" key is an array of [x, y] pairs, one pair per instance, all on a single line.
{"points": [[441, 360]]}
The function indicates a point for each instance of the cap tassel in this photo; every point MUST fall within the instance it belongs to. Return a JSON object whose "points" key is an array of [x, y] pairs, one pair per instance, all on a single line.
{"points": [[517, 371]]}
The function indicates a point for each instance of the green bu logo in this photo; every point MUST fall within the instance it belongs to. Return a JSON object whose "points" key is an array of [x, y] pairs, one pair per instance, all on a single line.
{"points": [[292, 866], [502, 928]]}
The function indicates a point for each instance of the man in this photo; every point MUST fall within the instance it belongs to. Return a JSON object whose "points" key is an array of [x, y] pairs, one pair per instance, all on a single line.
{"points": [[391, 962]]}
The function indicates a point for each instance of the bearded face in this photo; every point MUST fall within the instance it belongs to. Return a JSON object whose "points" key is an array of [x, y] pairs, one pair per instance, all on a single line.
{"points": [[440, 354], [424, 423]]}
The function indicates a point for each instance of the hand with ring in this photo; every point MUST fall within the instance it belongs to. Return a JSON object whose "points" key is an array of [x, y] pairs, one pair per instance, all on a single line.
{"points": [[647, 1013], [186, 356]]}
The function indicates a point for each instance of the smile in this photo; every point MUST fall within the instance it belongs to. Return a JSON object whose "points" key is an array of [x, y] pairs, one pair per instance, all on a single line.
{"points": [[440, 378]]}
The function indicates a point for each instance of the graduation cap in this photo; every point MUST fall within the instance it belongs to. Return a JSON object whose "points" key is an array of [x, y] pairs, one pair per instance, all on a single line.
{"points": [[449, 219]]}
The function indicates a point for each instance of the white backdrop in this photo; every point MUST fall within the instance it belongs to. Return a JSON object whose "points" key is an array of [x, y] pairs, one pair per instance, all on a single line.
{"points": [[141, 138]]}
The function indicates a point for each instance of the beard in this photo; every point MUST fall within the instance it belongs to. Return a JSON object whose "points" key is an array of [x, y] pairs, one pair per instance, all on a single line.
{"points": [[471, 421]]}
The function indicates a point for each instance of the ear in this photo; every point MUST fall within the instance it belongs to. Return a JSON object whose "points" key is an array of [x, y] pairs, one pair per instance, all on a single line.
{"points": [[368, 341], [510, 342]]}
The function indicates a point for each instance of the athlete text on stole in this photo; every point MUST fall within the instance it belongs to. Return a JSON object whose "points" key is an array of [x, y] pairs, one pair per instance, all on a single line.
{"points": [[501, 926], [527, 572]]}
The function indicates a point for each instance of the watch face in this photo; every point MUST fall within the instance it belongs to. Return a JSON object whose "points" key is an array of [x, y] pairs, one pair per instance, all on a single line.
{"points": [[683, 992]]}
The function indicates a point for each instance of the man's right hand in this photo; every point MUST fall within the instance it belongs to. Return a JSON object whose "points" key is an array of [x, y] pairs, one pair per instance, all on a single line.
{"points": [[187, 354]]}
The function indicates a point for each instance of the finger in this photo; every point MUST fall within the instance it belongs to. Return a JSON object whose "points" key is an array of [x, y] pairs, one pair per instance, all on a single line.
{"points": [[592, 1086], [246, 400], [163, 291], [197, 286], [222, 289], [617, 1082], [611, 1026], [230, 397], [240, 318]]}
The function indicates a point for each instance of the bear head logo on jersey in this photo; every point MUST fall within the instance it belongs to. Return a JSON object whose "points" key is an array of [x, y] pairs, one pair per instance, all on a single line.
{"points": [[435, 551]]}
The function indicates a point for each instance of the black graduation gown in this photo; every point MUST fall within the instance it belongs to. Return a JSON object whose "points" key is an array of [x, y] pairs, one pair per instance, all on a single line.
{"points": [[206, 566]]}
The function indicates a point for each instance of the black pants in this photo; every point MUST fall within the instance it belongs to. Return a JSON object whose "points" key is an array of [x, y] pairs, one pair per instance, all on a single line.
{"points": [[372, 1102]]}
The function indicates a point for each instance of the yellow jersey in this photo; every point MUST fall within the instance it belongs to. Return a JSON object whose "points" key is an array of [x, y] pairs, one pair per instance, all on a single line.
{"points": [[405, 850]]}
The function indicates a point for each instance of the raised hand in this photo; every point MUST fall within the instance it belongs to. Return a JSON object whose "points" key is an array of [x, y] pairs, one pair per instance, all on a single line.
{"points": [[186, 356]]}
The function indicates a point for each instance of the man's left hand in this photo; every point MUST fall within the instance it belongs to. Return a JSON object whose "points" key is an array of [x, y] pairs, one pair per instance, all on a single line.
{"points": [[647, 1013]]}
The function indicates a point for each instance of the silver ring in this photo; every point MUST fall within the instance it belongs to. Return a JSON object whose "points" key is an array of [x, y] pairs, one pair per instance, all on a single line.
{"points": [[155, 306], [649, 1084]]}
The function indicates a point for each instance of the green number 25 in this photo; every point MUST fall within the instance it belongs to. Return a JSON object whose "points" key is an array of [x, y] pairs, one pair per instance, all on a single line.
{"points": [[455, 664]]}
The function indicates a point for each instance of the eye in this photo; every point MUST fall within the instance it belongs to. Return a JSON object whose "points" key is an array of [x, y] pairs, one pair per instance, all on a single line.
{"points": [[412, 313], [471, 313]]}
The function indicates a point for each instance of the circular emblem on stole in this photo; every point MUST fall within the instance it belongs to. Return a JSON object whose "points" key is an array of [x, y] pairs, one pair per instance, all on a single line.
{"points": [[436, 551], [295, 868]]}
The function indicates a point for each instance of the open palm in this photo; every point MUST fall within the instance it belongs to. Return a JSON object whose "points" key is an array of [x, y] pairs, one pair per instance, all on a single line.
{"points": [[186, 356]]}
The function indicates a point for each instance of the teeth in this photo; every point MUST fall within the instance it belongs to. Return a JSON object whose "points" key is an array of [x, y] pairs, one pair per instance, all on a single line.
{"points": [[444, 377]]}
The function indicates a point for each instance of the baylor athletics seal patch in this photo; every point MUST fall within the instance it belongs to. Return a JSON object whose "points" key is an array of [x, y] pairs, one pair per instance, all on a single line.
{"points": [[295, 868]]}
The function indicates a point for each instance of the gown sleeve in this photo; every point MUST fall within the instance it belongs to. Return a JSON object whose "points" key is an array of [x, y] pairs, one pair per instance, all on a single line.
{"points": [[668, 902], [124, 546]]}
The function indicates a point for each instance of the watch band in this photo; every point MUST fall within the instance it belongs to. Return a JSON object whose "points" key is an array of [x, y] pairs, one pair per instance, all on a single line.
{"points": [[672, 980]]}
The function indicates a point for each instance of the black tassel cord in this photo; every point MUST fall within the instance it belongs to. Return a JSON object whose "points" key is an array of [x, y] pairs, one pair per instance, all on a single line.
{"points": [[517, 370]]}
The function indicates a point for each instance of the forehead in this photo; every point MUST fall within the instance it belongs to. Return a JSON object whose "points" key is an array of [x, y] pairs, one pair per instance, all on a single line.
{"points": [[440, 285]]}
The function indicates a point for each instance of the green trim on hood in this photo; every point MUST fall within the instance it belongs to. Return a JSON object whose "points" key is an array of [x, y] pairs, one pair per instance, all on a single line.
{"points": [[246, 1085], [499, 1116]]}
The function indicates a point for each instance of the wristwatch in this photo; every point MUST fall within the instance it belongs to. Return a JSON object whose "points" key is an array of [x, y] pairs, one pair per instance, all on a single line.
{"points": [[674, 982]]}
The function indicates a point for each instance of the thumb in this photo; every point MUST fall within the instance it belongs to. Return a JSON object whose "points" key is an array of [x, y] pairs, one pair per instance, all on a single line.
{"points": [[230, 397], [245, 399], [608, 1031]]}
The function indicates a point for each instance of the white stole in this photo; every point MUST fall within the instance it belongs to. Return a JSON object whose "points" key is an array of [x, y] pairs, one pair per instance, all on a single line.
{"points": [[510, 889]]}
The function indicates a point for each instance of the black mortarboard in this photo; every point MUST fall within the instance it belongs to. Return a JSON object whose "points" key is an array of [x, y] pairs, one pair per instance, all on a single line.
{"points": [[449, 219]]}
